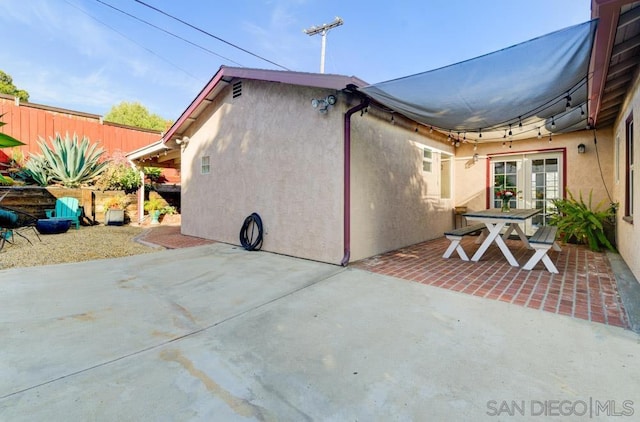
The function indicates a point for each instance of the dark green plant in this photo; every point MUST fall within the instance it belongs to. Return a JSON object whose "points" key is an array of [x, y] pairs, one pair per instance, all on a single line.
{"points": [[575, 218], [70, 161]]}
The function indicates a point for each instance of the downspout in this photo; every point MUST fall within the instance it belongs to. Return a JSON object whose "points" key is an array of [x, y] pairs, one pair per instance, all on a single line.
{"points": [[347, 180]]}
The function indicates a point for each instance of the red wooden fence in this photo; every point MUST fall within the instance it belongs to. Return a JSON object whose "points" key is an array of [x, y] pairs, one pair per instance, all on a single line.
{"points": [[29, 122]]}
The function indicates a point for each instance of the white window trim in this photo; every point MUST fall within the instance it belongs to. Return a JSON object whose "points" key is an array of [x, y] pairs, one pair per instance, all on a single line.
{"points": [[205, 168]]}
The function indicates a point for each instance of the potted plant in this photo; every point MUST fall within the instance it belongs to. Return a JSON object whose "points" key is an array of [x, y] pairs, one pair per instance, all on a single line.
{"points": [[153, 206], [577, 219], [114, 207]]}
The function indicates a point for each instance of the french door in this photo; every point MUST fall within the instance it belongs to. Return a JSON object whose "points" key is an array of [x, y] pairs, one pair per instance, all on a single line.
{"points": [[536, 180]]}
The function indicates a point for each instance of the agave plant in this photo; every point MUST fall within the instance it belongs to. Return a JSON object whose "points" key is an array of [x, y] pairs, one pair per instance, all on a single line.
{"points": [[71, 162], [37, 168]]}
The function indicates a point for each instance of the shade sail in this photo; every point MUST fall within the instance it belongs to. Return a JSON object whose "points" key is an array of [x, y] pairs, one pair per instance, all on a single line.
{"points": [[536, 86]]}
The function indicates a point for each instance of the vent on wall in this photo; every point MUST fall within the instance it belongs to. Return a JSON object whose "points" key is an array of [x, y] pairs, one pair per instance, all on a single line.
{"points": [[237, 89]]}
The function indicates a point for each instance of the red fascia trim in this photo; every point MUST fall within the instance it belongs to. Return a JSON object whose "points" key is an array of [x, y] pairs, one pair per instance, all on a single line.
{"points": [[194, 104], [607, 12]]}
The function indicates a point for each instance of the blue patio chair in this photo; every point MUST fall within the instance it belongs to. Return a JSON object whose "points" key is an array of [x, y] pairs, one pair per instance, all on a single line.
{"points": [[68, 208]]}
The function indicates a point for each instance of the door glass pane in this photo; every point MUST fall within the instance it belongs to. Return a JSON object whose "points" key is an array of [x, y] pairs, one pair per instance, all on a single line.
{"points": [[505, 177], [545, 187]]}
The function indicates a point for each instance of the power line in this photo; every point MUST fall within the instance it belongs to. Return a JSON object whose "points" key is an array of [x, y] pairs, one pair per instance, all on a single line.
{"points": [[133, 41], [209, 34], [168, 32]]}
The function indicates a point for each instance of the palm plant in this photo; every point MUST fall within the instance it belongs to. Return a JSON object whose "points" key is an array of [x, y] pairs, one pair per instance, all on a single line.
{"points": [[578, 219], [71, 162]]}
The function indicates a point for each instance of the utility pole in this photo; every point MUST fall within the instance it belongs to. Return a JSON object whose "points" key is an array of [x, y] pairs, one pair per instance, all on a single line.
{"points": [[322, 30]]}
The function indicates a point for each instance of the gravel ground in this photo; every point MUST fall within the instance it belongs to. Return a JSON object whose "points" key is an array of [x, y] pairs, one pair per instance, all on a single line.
{"points": [[88, 243]]}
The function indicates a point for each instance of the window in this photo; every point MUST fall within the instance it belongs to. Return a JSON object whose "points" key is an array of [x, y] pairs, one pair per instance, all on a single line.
{"points": [[205, 167], [629, 170], [445, 176], [427, 160]]}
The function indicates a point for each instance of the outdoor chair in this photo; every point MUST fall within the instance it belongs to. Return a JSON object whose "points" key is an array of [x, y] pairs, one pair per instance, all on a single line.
{"points": [[15, 222], [68, 208]]}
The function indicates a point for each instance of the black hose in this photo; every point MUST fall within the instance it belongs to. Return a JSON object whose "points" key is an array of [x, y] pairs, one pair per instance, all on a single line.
{"points": [[247, 240]]}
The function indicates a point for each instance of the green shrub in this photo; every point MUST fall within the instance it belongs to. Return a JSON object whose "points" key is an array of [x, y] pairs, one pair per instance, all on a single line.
{"points": [[119, 176], [154, 204], [153, 173], [575, 218]]}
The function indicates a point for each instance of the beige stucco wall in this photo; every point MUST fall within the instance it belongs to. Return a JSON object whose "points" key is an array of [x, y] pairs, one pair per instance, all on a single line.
{"points": [[582, 170], [271, 153], [628, 233], [393, 203]]}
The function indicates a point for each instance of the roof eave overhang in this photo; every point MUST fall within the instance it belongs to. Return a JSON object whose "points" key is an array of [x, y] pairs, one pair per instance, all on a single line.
{"points": [[227, 74], [607, 12]]}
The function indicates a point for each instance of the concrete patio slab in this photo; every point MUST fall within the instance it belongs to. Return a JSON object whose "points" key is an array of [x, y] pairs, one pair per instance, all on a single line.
{"points": [[217, 333]]}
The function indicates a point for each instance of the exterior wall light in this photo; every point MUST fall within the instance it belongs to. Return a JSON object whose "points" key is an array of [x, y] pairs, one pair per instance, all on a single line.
{"points": [[582, 149], [323, 104]]}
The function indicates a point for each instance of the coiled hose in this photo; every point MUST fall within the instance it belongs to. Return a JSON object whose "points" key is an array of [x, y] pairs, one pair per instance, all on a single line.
{"points": [[247, 240]]}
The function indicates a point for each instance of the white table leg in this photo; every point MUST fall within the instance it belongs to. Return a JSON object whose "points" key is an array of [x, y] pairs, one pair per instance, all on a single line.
{"points": [[521, 234], [494, 236]]}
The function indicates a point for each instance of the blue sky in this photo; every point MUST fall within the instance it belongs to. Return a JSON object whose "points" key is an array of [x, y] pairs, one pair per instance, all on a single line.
{"points": [[85, 56]]}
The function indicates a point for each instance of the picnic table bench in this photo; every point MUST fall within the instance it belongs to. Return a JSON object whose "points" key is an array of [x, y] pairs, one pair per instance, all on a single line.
{"points": [[455, 236], [542, 240]]}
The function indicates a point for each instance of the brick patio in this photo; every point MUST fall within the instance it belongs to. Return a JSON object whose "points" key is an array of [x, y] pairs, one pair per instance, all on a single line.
{"points": [[585, 287]]}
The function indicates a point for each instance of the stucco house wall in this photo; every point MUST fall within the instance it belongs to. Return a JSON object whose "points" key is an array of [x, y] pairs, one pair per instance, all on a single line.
{"points": [[394, 203], [583, 174], [628, 233], [269, 152]]}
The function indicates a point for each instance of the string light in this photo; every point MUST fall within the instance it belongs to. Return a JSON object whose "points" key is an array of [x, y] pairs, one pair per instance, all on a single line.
{"points": [[520, 123], [553, 122], [581, 111], [510, 133], [568, 105], [480, 133], [550, 138], [539, 134]]}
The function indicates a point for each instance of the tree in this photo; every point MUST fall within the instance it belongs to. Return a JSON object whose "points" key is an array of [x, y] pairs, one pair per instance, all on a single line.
{"points": [[7, 87], [135, 114]]}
